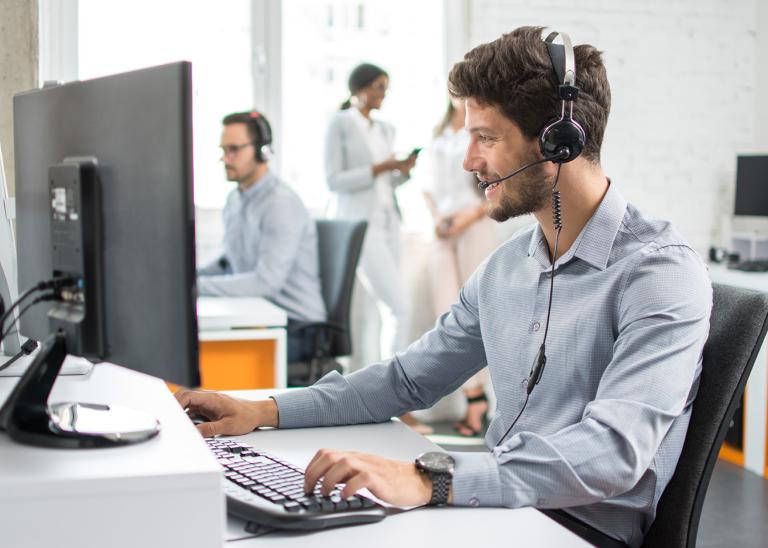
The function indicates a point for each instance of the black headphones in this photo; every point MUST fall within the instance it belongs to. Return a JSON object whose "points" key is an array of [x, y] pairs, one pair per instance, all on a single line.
{"points": [[563, 138], [263, 131]]}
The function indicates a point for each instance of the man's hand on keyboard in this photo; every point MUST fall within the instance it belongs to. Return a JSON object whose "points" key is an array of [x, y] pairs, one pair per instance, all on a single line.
{"points": [[227, 415], [392, 481]]}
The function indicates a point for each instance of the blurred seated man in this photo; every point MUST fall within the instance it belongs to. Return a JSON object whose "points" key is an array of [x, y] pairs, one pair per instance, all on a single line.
{"points": [[270, 241]]}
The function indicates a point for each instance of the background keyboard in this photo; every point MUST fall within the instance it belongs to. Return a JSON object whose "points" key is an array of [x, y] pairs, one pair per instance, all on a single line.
{"points": [[269, 492], [760, 265]]}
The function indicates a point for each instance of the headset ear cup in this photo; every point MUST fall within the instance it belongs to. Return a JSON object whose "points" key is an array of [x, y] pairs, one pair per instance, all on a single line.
{"points": [[262, 150], [562, 134]]}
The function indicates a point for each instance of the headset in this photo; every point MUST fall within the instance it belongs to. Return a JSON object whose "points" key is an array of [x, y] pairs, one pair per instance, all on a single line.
{"points": [[560, 141], [263, 131]]}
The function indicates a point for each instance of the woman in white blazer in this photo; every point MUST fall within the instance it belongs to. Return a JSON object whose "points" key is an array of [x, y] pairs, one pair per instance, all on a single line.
{"points": [[362, 173]]}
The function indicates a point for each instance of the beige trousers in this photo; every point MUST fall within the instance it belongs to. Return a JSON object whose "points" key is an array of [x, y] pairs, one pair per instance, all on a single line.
{"points": [[452, 261]]}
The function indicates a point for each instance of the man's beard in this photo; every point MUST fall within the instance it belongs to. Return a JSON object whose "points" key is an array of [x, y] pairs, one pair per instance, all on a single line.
{"points": [[530, 193]]}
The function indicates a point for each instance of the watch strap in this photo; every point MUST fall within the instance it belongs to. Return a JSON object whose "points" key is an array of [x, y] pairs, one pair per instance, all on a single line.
{"points": [[441, 487]]}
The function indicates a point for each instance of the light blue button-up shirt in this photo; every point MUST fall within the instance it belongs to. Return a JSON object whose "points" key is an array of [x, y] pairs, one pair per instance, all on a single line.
{"points": [[270, 251], [603, 430]]}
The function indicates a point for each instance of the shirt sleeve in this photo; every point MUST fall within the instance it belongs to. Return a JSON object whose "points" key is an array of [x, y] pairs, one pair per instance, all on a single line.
{"points": [[435, 365], [215, 267], [663, 322], [282, 229]]}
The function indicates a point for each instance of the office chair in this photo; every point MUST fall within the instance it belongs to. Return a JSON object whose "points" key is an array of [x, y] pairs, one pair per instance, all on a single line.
{"points": [[737, 329], [339, 247]]}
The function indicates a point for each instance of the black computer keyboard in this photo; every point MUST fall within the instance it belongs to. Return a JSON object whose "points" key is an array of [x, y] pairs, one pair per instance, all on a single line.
{"points": [[750, 266], [269, 492]]}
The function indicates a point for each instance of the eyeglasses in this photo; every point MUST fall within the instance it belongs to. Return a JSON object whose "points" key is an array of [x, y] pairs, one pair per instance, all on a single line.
{"points": [[231, 150]]}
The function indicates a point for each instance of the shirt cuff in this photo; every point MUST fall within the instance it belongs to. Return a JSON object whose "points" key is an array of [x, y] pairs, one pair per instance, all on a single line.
{"points": [[476, 480], [203, 285], [296, 409]]}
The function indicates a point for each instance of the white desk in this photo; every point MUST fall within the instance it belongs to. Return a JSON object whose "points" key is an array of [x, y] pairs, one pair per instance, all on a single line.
{"points": [[167, 492], [756, 395], [245, 319], [421, 527], [163, 492]]}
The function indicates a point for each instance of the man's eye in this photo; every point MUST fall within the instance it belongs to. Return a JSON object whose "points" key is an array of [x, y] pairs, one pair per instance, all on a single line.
{"points": [[484, 138]]}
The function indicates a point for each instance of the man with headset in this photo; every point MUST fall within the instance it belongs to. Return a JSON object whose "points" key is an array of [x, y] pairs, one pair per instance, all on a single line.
{"points": [[624, 322], [270, 241]]}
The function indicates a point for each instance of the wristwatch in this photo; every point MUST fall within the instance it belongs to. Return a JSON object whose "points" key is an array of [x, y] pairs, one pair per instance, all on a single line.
{"points": [[438, 466]]}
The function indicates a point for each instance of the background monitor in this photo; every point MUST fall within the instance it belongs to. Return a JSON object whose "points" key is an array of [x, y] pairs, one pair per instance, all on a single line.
{"points": [[752, 186], [138, 128]]}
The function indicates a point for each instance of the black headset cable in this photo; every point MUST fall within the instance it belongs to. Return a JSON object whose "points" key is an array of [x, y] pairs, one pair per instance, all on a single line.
{"points": [[537, 369]]}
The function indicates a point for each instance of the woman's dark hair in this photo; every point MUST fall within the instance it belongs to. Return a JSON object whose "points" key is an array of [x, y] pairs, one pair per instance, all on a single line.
{"points": [[362, 76], [514, 74]]}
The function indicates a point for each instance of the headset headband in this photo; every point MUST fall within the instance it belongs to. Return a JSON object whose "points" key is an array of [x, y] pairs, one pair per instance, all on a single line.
{"points": [[559, 51]]}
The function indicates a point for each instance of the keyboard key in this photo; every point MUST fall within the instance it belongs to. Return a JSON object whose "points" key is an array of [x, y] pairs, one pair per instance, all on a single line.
{"points": [[354, 503], [367, 503], [292, 506]]}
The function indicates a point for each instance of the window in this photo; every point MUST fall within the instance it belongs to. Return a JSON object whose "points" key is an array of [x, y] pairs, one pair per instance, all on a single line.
{"points": [[214, 36], [321, 43], [294, 70]]}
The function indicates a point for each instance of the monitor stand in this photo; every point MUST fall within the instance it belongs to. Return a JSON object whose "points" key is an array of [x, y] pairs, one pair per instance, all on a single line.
{"points": [[28, 418]]}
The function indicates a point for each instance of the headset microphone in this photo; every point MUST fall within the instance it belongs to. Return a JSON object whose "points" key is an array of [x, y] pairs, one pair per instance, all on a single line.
{"points": [[561, 153]]}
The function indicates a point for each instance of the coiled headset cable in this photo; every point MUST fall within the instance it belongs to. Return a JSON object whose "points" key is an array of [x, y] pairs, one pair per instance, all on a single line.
{"points": [[537, 368]]}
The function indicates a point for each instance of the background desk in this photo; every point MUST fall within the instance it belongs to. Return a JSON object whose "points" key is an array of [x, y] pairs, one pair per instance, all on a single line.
{"points": [[754, 456], [242, 343], [449, 527]]}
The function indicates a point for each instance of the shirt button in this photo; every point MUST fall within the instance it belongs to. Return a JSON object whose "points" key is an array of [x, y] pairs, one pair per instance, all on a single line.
{"points": [[535, 326], [474, 502]]}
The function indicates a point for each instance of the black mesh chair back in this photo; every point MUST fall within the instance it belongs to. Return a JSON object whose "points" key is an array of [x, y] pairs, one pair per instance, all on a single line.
{"points": [[737, 329], [340, 244]]}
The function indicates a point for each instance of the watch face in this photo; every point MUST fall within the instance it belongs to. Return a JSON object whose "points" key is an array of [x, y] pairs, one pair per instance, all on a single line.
{"points": [[436, 461]]}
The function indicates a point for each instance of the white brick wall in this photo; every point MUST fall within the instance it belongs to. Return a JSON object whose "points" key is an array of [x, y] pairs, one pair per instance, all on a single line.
{"points": [[683, 76]]}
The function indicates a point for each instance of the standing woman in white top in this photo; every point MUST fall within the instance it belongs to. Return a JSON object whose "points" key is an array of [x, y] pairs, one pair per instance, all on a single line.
{"points": [[464, 237], [362, 173]]}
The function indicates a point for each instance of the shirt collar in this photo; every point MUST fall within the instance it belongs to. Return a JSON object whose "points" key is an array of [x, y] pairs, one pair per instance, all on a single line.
{"points": [[365, 123], [260, 188], [593, 245]]}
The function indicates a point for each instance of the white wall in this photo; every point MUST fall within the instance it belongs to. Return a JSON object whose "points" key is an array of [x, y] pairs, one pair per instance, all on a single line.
{"points": [[761, 61], [683, 76], [18, 69]]}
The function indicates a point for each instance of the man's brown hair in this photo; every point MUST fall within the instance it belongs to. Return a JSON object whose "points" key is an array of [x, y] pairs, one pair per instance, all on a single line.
{"points": [[514, 74]]}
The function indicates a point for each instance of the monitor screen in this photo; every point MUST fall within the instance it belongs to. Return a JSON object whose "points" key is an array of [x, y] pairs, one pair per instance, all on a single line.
{"points": [[752, 186], [137, 126]]}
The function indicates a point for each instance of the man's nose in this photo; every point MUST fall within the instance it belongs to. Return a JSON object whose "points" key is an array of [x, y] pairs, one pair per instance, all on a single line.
{"points": [[472, 162]]}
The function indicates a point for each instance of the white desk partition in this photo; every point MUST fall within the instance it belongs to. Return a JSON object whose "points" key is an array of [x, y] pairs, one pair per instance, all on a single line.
{"points": [[163, 492], [245, 318]]}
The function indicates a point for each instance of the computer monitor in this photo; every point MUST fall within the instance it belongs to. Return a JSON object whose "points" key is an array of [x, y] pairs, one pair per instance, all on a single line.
{"points": [[751, 186], [105, 205]]}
